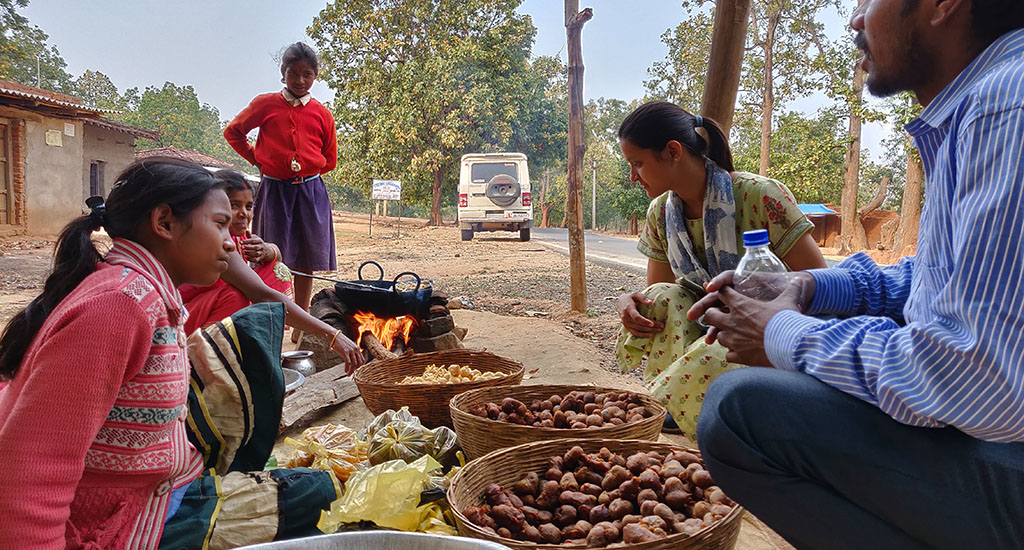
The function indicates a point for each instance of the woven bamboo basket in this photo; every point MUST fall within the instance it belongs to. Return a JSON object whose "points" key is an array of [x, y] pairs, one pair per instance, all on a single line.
{"points": [[379, 387], [507, 466], [479, 436]]}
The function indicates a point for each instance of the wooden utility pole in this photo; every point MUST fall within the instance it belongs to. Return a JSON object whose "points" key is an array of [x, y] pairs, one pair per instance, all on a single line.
{"points": [[574, 21], [728, 40]]}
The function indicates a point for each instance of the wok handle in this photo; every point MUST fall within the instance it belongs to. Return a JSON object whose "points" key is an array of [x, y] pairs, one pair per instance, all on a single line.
{"points": [[359, 273], [394, 285]]}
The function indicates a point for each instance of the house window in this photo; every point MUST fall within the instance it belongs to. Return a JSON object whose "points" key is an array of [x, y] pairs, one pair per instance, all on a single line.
{"points": [[96, 177], [6, 193]]}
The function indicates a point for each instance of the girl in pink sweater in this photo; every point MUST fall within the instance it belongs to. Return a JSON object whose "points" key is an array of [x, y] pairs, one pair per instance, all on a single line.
{"points": [[94, 373]]}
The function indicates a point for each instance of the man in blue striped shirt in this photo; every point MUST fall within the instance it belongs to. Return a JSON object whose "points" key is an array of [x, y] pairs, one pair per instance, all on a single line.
{"points": [[899, 421]]}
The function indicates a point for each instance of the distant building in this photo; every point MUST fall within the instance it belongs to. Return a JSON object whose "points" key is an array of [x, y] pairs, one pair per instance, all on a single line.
{"points": [[878, 225], [202, 159], [54, 153]]}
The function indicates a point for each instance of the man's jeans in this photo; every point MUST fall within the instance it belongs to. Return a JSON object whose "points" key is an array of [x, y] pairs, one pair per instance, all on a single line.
{"points": [[829, 471]]}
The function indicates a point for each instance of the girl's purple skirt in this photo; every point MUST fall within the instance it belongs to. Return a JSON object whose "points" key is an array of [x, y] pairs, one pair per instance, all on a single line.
{"points": [[297, 218]]}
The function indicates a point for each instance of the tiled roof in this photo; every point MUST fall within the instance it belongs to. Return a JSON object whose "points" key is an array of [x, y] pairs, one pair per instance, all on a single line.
{"points": [[47, 97], [186, 154], [121, 127]]}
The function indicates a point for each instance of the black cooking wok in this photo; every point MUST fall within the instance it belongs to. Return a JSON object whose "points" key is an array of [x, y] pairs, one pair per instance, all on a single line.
{"points": [[382, 297]]}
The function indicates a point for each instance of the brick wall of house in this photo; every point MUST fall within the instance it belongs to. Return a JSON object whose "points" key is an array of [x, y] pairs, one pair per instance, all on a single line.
{"points": [[17, 128]]}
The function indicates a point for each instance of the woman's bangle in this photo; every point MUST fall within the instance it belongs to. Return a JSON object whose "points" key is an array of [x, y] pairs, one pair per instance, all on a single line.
{"points": [[331, 345]]}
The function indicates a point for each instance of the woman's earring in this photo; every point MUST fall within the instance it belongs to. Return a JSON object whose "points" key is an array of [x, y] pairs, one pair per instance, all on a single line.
{"points": [[282, 80]]}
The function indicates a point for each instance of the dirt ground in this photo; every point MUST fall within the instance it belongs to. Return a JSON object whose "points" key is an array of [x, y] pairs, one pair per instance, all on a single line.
{"points": [[518, 293]]}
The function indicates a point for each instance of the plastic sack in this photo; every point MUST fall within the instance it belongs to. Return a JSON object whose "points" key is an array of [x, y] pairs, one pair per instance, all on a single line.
{"points": [[388, 495], [328, 447], [398, 435], [385, 418]]}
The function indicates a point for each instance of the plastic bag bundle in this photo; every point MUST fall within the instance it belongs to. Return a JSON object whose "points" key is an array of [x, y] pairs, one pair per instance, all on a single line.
{"points": [[398, 435], [329, 447], [388, 495]]}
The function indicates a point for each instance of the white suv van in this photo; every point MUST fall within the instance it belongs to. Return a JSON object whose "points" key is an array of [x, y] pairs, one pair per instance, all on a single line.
{"points": [[494, 194]]}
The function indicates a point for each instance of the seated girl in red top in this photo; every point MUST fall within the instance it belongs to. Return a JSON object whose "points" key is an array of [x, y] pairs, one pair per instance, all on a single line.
{"points": [[95, 378], [207, 305], [295, 145], [240, 286]]}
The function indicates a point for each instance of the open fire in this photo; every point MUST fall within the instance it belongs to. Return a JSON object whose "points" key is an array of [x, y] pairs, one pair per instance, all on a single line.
{"points": [[385, 330]]}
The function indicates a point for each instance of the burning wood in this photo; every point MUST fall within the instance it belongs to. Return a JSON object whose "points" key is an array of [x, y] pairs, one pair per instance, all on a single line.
{"points": [[376, 348], [378, 334]]}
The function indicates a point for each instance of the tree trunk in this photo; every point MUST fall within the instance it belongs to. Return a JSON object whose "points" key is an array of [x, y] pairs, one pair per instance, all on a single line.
{"points": [[545, 209], [723, 78], [851, 232], [574, 21], [910, 212], [634, 225], [768, 95], [435, 204]]}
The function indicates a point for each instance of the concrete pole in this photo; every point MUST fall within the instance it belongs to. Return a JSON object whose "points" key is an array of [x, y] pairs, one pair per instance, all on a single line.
{"points": [[593, 198]]}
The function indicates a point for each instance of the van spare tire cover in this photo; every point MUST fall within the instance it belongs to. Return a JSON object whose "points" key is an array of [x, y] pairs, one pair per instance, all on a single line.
{"points": [[503, 190]]}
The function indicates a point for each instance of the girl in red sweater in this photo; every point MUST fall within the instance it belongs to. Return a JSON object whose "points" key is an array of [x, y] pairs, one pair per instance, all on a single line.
{"points": [[254, 274], [295, 145], [95, 378]]}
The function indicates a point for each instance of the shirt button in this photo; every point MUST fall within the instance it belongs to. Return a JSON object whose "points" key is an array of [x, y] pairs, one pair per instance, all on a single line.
{"points": [[163, 488]]}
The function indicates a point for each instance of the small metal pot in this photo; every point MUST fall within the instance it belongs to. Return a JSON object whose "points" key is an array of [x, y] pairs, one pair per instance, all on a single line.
{"points": [[299, 360]]}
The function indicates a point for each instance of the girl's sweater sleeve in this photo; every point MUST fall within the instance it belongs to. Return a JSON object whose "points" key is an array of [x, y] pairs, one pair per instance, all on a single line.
{"points": [[330, 150], [236, 131], [70, 382]]}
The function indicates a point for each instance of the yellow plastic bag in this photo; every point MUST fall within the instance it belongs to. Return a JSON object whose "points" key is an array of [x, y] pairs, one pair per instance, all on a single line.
{"points": [[388, 495], [436, 519], [328, 447]]}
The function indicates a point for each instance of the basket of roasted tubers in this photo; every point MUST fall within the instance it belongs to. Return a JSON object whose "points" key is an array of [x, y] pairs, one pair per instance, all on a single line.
{"points": [[488, 419], [450, 374], [594, 493], [417, 381]]}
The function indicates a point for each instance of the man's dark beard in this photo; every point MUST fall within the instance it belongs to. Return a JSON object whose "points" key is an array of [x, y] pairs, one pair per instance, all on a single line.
{"points": [[911, 71]]}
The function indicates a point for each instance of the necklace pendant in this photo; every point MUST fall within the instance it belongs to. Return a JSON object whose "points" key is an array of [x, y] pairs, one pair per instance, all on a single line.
{"points": [[296, 166]]}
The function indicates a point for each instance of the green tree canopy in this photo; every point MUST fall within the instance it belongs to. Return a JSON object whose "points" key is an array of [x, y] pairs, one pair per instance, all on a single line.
{"points": [[420, 82], [679, 77], [182, 120], [25, 57], [97, 90]]}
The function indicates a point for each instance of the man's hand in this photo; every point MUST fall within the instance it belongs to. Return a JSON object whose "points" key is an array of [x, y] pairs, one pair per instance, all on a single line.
{"points": [[739, 323], [632, 320]]}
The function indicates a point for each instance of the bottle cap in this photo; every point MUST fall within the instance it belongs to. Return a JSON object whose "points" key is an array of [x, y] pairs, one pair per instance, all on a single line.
{"points": [[758, 237]]}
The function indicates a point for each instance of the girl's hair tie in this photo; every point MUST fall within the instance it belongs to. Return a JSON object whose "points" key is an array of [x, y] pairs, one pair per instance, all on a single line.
{"points": [[97, 210], [698, 121]]}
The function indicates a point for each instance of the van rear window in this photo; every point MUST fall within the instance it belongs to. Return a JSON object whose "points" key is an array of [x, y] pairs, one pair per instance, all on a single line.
{"points": [[482, 172]]}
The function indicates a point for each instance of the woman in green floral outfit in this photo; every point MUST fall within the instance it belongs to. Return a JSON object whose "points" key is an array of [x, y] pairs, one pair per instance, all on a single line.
{"points": [[694, 231]]}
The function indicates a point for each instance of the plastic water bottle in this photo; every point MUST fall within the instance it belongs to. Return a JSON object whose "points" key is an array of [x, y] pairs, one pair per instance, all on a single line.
{"points": [[760, 274]]}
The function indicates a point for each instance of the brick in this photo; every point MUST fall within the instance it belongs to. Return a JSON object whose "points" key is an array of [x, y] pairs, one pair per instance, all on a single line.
{"points": [[436, 326], [437, 343]]}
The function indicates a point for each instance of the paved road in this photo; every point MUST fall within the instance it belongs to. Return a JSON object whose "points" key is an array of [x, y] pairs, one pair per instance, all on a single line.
{"points": [[601, 249]]}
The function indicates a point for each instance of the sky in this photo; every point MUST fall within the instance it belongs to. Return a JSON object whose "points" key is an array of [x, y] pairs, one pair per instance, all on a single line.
{"points": [[225, 49]]}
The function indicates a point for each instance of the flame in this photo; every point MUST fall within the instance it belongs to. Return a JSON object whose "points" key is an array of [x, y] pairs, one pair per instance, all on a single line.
{"points": [[384, 329]]}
